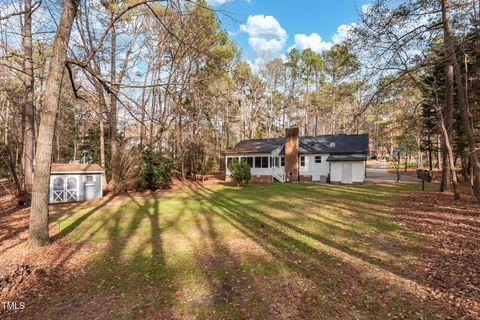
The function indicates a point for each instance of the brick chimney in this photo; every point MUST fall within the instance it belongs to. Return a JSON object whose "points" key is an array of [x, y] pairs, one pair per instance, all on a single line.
{"points": [[291, 154]]}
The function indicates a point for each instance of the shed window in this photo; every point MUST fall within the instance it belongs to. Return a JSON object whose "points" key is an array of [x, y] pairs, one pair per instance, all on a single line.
{"points": [[282, 161], [89, 179], [58, 183], [318, 159], [302, 161], [71, 183]]}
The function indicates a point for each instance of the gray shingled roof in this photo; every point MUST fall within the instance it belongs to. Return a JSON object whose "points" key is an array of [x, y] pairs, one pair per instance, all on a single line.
{"points": [[257, 146], [347, 157], [333, 144]]}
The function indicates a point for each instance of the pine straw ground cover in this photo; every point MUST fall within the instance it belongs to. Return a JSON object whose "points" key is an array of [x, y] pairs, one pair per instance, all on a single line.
{"points": [[276, 251]]}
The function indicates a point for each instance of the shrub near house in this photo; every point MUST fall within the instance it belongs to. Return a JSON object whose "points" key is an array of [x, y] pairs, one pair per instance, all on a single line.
{"points": [[240, 171]]}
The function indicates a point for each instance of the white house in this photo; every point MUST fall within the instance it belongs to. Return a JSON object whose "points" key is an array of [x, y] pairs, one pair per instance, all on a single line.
{"points": [[329, 158]]}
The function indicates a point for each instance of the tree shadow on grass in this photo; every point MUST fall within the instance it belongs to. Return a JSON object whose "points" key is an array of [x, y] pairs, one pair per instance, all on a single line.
{"points": [[132, 270], [72, 226], [289, 244], [232, 291], [249, 262]]}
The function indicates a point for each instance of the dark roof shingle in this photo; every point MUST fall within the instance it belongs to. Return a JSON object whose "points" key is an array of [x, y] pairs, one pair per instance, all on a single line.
{"points": [[257, 146], [340, 143], [336, 144]]}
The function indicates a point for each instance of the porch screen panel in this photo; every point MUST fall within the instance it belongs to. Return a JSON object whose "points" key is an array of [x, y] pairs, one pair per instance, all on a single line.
{"points": [[264, 162], [258, 162]]}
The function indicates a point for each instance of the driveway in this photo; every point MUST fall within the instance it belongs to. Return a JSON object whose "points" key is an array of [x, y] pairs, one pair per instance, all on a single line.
{"points": [[378, 172]]}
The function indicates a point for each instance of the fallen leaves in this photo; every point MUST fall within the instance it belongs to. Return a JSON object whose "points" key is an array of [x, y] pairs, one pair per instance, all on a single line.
{"points": [[450, 247]]}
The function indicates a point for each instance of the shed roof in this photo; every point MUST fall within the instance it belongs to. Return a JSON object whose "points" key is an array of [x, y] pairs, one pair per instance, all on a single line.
{"points": [[333, 144], [75, 167], [347, 157]]}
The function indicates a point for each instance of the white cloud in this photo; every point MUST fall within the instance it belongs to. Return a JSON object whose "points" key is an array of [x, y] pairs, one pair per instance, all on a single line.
{"points": [[366, 7], [267, 46], [267, 38], [261, 26], [343, 32], [313, 41], [317, 44], [218, 2]]}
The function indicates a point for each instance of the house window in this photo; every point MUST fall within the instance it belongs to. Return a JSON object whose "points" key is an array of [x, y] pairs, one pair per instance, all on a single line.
{"points": [[231, 160], [264, 162], [271, 162], [318, 159], [261, 162], [248, 160], [258, 162], [302, 161], [282, 161], [276, 161]]}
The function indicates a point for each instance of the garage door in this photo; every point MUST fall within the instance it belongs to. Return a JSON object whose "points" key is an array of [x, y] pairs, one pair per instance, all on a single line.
{"points": [[347, 172]]}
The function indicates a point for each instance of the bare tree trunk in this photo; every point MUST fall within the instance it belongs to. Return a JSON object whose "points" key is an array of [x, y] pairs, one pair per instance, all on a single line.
{"points": [[227, 129], [143, 103], [464, 111], [28, 106], [38, 229], [101, 109], [450, 158], [430, 157], [448, 122], [152, 116], [437, 165], [142, 127], [5, 127], [114, 154]]}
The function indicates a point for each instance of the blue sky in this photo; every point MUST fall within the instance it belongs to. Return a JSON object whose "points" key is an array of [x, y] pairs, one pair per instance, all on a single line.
{"points": [[264, 29]]}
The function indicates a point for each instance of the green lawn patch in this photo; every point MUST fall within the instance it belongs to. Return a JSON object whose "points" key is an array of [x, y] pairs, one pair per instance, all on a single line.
{"points": [[258, 251]]}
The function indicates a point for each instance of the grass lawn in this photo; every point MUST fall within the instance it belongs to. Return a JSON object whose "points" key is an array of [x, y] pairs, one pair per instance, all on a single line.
{"points": [[304, 251]]}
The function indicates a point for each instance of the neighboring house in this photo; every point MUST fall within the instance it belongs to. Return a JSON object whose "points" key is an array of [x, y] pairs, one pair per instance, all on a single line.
{"points": [[331, 158], [71, 182]]}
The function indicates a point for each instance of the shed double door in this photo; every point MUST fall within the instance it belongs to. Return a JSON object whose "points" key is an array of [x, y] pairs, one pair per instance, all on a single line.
{"points": [[65, 189], [347, 173]]}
